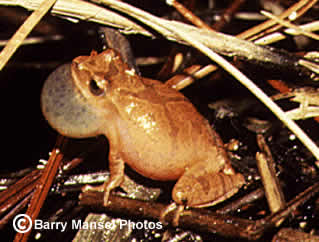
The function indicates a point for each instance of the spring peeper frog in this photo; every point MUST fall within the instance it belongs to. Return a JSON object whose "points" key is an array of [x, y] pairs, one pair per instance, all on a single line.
{"points": [[150, 126]]}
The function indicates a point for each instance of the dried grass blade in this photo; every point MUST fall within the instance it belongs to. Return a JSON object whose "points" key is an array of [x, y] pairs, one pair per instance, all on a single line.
{"points": [[24, 31]]}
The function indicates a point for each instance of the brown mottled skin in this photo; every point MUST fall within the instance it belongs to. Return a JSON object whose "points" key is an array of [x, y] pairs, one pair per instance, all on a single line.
{"points": [[150, 126]]}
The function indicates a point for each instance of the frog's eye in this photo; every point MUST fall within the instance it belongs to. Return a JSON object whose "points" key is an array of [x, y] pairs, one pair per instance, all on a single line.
{"points": [[95, 89]]}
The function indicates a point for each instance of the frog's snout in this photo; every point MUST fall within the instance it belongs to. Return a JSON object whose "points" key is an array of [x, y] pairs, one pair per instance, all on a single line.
{"points": [[65, 108]]}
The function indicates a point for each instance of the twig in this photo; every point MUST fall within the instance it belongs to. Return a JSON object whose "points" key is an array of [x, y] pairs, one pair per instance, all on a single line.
{"points": [[221, 43], [131, 188], [42, 188], [19, 194], [15, 210], [291, 206], [310, 65], [198, 219], [178, 83], [266, 167], [290, 25], [306, 112], [247, 199], [298, 8], [19, 186], [228, 14], [277, 36], [35, 40], [73, 10], [188, 15], [24, 31]]}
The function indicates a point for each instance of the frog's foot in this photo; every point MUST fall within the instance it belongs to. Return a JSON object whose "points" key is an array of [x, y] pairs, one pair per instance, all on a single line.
{"points": [[178, 211], [88, 188], [101, 188]]}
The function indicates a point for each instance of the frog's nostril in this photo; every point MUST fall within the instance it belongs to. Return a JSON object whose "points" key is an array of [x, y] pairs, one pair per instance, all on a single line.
{"points": [[95, 89]]}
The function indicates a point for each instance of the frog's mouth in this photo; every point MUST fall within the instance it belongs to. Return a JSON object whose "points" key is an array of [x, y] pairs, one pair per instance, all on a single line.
{"points": [[65, 108]]}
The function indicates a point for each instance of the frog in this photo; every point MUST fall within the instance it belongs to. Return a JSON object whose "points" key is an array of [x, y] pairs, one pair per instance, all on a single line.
{"points": [[150, 126]]}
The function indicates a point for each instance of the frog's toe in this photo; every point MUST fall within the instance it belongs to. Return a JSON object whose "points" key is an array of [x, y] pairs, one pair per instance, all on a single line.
{"points": [[106, 198], [166, 211], [173, 207], [101, 188], [90, 188]]}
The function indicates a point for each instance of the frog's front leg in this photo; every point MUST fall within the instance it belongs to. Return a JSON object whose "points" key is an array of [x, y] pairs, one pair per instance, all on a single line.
{"points": [[203, 185], [116, 167]]}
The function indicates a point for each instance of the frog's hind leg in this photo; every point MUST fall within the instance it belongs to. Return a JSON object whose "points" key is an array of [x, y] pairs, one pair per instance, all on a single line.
{"points": [[202, 185]]}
